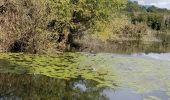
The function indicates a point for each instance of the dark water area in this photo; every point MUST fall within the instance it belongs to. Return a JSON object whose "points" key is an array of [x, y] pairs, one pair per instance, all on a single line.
{"points": [[129, 47], [39, 87]]}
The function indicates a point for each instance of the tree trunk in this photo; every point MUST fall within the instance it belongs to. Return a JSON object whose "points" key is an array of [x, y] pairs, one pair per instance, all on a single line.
{"points": [[65, 40]]}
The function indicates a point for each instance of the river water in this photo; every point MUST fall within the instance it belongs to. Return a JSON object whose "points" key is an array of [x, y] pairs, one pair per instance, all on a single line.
{"points": [[85, 76]]}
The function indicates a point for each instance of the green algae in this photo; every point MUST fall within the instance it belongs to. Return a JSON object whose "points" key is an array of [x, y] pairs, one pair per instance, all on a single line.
{"points": [[61, 66], [141, 74], [144, 75]]}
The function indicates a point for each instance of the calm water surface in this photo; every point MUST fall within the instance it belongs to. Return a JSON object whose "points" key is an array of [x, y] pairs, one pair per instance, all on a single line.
{"points": [[85, 76]]}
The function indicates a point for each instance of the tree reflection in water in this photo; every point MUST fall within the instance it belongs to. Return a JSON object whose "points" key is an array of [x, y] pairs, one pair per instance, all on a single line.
{"points": [[67, 76], [30, 87]]}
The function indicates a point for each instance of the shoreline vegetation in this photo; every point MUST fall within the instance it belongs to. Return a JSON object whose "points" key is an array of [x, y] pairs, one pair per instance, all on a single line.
{"points": [[41, 26]]}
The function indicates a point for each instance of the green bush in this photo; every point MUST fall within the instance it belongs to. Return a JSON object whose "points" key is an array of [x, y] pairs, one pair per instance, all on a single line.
{"points": [[41, 25]]}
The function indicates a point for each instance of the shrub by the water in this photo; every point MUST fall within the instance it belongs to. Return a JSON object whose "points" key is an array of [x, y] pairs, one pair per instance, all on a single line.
{"points": [[42, 26]]}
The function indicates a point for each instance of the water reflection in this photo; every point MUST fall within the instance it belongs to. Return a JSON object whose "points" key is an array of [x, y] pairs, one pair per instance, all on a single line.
{"points": [[38, 87], [128, 47], [58, 77], [62, 66], [84, 76], [155, 56], [129, 94]]}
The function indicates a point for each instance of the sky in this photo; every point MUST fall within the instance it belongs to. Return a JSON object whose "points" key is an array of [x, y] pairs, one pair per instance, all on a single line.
{"points": [[157, 3]]}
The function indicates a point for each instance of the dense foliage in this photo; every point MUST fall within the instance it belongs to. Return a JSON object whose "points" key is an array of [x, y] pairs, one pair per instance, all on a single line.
{"points": [[35, 25], [59, 25], [156, 18]]}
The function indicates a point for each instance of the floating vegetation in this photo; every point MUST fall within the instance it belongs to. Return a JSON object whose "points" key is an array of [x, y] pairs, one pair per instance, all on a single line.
{"points": [[62, 66], [142, 74]]}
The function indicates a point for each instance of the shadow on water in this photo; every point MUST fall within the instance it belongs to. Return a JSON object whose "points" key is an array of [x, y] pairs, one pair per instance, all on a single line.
{"points": [[56, 77], [9, 67], [79, 76], [130, 46], [36, 87], [39, 87]]}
